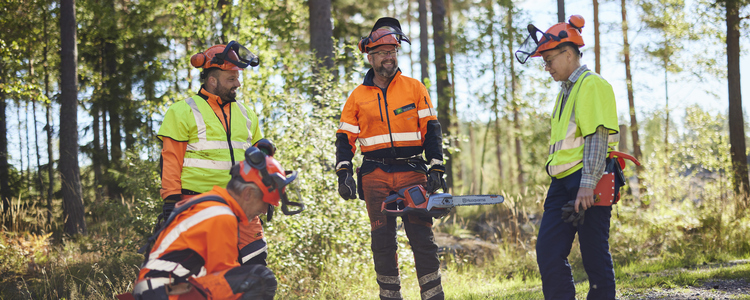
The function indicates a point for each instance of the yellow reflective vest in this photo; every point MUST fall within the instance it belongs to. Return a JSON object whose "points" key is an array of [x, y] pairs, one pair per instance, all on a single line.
{"points": [[211, 151], [591, 104]]}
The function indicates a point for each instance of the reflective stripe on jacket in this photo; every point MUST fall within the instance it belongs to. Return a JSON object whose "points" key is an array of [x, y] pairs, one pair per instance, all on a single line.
{"points": [[201, 240], [396, 122], [215, 142], [591, 104]]}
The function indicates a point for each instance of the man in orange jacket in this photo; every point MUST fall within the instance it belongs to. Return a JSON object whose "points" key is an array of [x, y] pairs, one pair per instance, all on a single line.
{"points": [[206, 134], [392, 117], [195, 254]]}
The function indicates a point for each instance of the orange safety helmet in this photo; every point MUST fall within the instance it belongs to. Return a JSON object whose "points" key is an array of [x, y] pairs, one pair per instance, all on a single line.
{"points": [[269, 176], [387, 31], [232, 56], [559, 33]]}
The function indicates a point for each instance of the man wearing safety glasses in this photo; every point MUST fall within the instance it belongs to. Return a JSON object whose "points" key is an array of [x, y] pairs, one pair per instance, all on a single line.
{"points": [[392, 117], [205, 135], [584, 129]]}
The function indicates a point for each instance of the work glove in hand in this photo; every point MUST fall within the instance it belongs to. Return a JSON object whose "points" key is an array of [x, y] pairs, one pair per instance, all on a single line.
{"points": [[266, 147], [435, 179], [569, 213], [166, 210], [347, 185]]}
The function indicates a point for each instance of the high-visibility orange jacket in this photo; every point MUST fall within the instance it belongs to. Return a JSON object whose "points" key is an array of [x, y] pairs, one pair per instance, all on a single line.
{"points": [[201, 240], [174, 148], [396, 122]]}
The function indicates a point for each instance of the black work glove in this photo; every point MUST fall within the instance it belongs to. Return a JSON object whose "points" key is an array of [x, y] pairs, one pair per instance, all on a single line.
{"points": [[169, 203], [265, 146], [347, 185], [166, 210], [435, 179], [569, 213]]}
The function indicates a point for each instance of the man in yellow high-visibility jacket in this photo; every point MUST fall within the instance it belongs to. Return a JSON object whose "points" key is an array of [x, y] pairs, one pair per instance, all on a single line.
{"points": [[584, 129], [205, 135]]}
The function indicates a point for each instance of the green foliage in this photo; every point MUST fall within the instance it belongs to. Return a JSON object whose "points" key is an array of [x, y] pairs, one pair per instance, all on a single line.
{"points": [[668, 18], [331, 233]]}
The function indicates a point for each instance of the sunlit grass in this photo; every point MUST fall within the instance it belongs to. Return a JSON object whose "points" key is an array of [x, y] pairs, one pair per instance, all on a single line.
{"points": [[662, 245]]}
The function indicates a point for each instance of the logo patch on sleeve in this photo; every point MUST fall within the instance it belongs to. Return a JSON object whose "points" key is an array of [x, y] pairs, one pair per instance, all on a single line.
{"points": [[404, 109]]}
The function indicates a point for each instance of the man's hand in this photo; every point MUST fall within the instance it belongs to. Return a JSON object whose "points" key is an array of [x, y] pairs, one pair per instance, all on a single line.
{"points": [[584, 199], [347, 185], [265, 146], [435, 179]]}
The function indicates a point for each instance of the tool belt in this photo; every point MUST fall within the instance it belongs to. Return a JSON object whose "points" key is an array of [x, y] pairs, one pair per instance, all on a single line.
{"points": [[397, 161], [607, 190]]}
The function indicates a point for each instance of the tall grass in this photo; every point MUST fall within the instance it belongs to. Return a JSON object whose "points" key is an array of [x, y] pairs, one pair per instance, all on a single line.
{"points": [[332, 264]]}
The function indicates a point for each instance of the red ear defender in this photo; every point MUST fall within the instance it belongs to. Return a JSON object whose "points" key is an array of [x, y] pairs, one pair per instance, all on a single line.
{"points": [[198, 60], [362, 44]]}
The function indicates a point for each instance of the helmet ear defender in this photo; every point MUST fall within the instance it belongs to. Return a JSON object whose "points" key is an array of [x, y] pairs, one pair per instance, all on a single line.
{"points": [[198, 60], [362, 45]]}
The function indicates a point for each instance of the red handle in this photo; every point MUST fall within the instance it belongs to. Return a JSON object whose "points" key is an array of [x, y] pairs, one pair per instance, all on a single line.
{"points": [[621, 155]]}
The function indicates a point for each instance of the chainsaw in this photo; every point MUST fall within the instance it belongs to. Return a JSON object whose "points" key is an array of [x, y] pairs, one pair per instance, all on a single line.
{"points": [[414, 200]]}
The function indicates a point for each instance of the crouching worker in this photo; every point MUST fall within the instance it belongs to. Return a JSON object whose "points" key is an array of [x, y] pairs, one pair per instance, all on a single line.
{"points": [[195, 256]]}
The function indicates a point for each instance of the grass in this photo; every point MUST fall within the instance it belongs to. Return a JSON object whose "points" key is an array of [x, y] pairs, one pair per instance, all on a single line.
{"points": [[664, 245]]}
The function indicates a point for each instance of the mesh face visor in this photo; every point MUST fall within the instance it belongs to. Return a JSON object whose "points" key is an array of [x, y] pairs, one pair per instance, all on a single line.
{"points": [[384, 35], [385, 31], [289, 188], [239, 55], [533, 41], [266, 173]]}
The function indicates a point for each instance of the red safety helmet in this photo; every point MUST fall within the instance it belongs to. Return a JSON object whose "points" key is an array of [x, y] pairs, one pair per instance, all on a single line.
{"points": [[232, 56], [387, 31], [559, 33]]}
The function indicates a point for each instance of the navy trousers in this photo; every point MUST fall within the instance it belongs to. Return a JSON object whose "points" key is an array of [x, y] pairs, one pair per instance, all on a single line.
{"points": [[556, 239]]}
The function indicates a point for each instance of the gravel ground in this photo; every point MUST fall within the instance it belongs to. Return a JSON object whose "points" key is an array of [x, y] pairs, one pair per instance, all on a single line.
{"points": [[715, 289]]}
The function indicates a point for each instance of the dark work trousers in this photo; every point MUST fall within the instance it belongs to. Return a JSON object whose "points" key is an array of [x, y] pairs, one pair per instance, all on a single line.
{"points": [[556, 239], [377, 185]]}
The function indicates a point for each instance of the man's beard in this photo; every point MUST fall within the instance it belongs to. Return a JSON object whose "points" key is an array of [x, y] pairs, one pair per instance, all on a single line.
{"points": [[387, 73], [226, 94]]}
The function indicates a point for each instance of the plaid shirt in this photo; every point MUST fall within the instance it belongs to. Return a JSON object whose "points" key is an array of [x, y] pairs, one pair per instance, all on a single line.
{"points": [[594, 145]]}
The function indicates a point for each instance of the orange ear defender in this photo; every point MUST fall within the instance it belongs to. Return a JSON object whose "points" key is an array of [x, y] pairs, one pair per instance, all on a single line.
{"points": [[198, 60]]}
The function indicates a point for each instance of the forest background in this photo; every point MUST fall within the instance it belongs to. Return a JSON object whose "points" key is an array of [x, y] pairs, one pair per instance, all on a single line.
{"points": [[84, 85]]}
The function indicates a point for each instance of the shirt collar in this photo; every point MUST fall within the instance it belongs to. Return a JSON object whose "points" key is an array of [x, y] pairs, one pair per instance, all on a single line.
{"points": [[211, 97], [369, 77], [574, 76]]}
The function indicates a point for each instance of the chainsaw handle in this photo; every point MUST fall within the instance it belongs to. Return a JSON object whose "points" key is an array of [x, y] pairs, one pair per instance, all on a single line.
{"points": [[391, 212], [621, 155]]}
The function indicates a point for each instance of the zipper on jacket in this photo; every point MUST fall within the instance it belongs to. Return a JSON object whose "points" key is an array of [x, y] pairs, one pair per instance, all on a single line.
{"points": [[388, 118], [381, 109], [228, 129]]}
